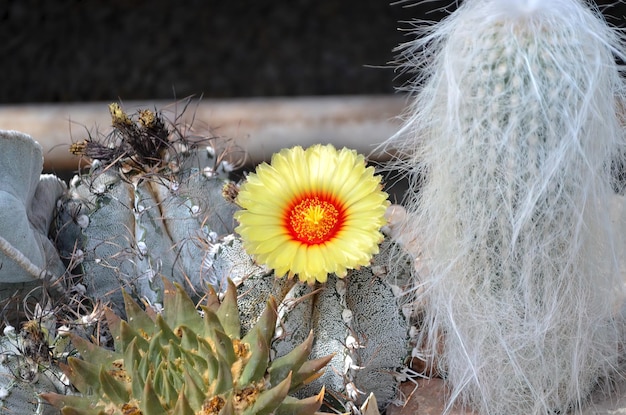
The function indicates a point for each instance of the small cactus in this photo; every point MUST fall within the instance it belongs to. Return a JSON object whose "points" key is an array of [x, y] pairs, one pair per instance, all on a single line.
{"points": [[150, 204], [360, 319], [181, 362]]}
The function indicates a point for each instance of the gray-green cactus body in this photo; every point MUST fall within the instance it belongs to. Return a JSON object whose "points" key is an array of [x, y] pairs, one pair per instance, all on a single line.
{"points": [[26, 370], [359, 319], [27, 202], [131, 229]]}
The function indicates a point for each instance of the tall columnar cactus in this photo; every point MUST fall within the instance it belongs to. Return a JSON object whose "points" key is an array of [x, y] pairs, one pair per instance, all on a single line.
{"points": [[512, 135], [182, 363]]}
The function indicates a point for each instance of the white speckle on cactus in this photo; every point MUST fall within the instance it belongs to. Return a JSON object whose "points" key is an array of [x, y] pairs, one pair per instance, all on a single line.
{"points": [[63, 331], [4, 393], [209, 172], [142, 248], [82, 221], [340, 287], [227, 166], [174, 186], [346, 316], [210, 152], [99, 188], [140, 208], [195, 209], [9, 331], [78, 256], [352, 343]]}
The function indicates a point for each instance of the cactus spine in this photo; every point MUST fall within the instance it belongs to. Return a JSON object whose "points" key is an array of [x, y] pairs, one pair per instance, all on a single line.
{"points": [[513, 131]]}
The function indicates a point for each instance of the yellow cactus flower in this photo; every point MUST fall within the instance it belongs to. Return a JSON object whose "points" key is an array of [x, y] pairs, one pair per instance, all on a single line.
{"points": [[312, 212]]}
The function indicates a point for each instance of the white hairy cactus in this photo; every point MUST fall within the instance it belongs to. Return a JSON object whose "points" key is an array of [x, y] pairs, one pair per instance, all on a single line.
{"points": [[27, 200], [510, 140]]}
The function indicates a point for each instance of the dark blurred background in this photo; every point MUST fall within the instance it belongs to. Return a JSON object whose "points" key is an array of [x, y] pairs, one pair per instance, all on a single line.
{"points": [[73, 50], [88, 50]]}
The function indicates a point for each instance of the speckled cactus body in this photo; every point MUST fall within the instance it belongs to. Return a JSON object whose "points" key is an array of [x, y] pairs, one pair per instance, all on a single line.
{"points": [[358, 318], [127, 226]]}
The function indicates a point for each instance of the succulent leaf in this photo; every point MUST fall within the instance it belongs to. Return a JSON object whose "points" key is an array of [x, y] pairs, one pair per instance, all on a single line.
{"points": [[256, 365], [228, 312], [290, 362], [188, 364], [306, 406], [150, 403], [178, 309], [90, 351], [270, 399], [182, 404], [136, 316], [85, 374]]}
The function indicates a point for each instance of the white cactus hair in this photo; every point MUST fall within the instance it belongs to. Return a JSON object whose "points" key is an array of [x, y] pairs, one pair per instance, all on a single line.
{"points": [[512, 133]]}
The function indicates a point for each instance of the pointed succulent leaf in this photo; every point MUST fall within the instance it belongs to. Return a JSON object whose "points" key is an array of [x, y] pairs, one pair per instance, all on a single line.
{"points": [[189, 350], [211, 322], [224, 347], [178, 309], [266, 323], [132, 357], [189, 339], [155, 351], [370, 406], [114, 321], [127, 334], [92, 352], [136, 316], [75, 379], [182, 404], [163, 384], [75, 401], [193, 392], [88, 373], [291, 362], [212, 301], [224, 380], [228, 312], [112, 388], [306, 406], [166, 334], [138, 382], [257, 363], [196, 366], [269, 399], [150, 403], [310, 370], [205, 350]]}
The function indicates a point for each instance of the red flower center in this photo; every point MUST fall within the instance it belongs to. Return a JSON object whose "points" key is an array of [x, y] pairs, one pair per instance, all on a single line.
{"points": [[313, 220]]}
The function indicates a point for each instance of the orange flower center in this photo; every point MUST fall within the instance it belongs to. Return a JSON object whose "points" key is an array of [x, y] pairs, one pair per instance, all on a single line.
{"points": [[313, 220]]}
